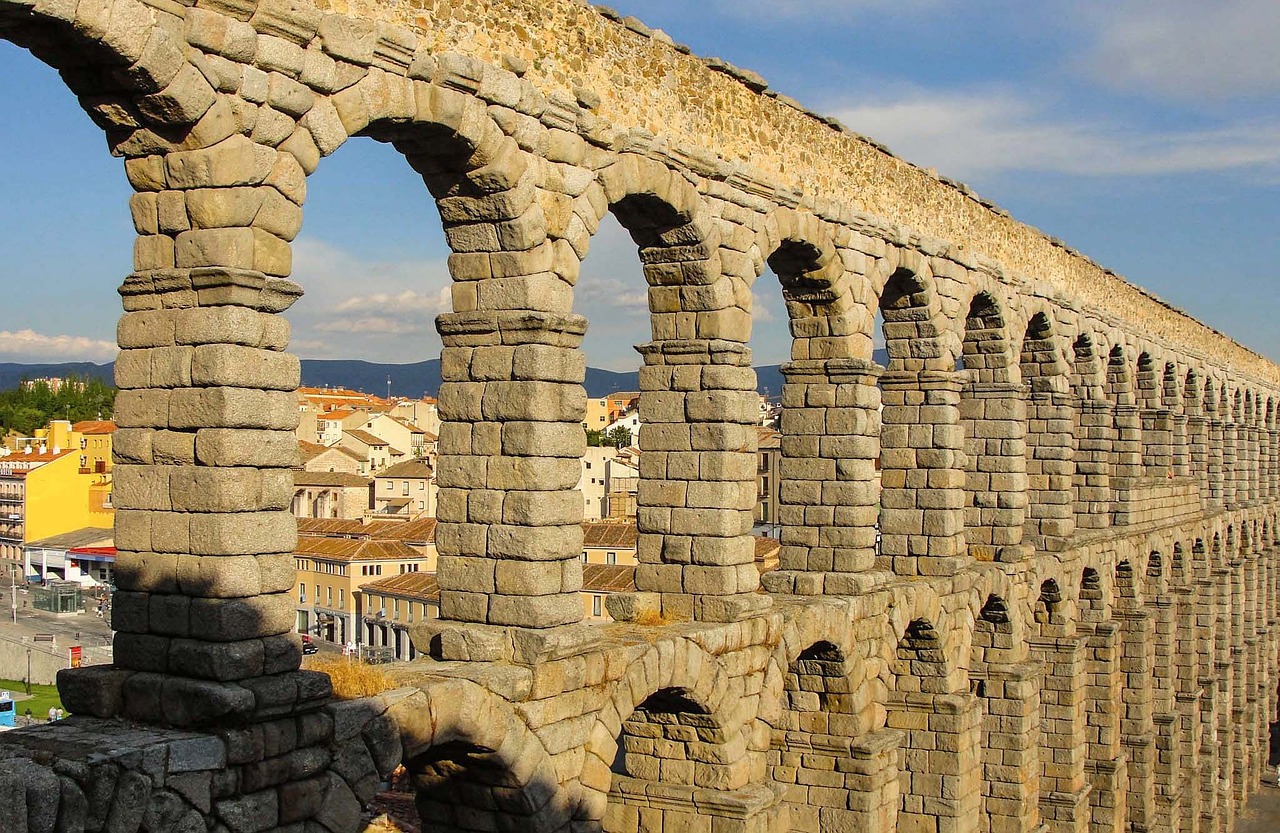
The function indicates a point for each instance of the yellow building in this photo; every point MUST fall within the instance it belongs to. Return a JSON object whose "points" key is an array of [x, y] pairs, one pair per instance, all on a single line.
{"points": [[335, 559], [51, 491]]}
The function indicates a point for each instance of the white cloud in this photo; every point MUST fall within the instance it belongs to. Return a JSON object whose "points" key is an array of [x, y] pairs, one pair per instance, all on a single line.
{"points": [[1186, 49], [367, 309], [973, 133], [30, 346]]}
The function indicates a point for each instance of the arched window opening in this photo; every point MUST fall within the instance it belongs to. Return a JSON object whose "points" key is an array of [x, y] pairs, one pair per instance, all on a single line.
{"points": [[462, 786], [661, 739]]}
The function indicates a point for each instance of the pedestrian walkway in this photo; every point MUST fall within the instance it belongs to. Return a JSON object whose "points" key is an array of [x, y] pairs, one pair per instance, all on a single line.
{"points": [[1262, 814]]}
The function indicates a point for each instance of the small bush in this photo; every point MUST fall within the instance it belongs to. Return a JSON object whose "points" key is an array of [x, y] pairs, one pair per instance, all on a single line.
{"points": [[352, 679]]}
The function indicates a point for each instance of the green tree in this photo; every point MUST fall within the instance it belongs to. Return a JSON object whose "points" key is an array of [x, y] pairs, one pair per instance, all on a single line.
{"points": [[619, 436]]}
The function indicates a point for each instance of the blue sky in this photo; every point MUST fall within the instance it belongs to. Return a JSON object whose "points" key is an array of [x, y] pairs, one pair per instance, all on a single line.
{"points": [[1144, 132]]}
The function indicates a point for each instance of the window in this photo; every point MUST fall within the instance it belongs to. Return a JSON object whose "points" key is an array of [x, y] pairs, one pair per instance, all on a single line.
{"points": [[405, 492], [328, 595], [395, 609], [584, 556], [422, 485], [588, 464], [302, 594], [317, 594], [611, 558], [391, 486], [596, 604], [342, 599]]}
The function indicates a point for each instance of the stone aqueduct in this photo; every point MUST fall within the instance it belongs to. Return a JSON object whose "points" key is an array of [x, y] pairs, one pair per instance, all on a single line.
{"points": [[1069, 627]]}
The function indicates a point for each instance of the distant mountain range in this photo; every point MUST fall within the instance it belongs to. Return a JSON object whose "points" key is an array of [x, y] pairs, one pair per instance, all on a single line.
{"points": [[372, 377]]}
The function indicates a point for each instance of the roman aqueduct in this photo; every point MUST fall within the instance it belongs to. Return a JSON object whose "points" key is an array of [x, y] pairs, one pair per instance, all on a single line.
{"points": [[1069, 625]]}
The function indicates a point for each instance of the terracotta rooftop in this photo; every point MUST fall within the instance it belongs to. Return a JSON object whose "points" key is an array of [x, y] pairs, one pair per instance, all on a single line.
{"points": [[417, 587], [419, 531], [329, 478], [409, 468], [609, 534], [94, 426], [350, 549], [366, 438], [608, 578]]}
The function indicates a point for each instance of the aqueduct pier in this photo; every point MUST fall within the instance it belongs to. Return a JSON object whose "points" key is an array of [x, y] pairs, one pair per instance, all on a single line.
{"points": [[1069, 625]]}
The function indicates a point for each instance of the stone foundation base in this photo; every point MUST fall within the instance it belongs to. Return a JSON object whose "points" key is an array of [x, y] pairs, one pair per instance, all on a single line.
{"points": [[160, 699], [312, 771]]}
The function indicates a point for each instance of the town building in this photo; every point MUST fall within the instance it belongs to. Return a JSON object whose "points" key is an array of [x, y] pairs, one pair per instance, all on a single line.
{"points": [[768, 481], [609, 542], [601, 411], [84, 555], [319, 458], [47, 491], [594, 482], [376, 452], [330, 574], [324, 494], [392, 606], [407, 489]]}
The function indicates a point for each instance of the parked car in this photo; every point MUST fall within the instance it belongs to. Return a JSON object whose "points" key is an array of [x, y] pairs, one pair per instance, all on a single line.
{"points": [[309, 647]]}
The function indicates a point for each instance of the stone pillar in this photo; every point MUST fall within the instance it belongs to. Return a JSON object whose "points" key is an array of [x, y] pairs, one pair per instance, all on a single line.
{"points": [[940, 776], [1262, 443], [1216, 459], [1272, 439], [922, 473], [509, 534], [1106, 767], [1180, 458], [1051, 447], [1232, 477], [1126, 465], [1064, 789], [1187, 705], [1163, 713], [839, 783], [1157, 441], [1198, 453], [203, 612], [830, 445], [1137, 664], [698, 409], [994, 416], [1224, 696], [1095, 437], [1011, 747], [1240, 689]]}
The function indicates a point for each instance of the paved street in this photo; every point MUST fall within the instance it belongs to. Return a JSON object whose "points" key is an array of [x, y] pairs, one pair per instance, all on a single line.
{"points": [[84, 629], [1262, 815]]}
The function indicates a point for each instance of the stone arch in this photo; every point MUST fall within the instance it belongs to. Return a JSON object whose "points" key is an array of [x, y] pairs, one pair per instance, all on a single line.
{"points": [[986, 351], [128, 69], [683, 686], [920, 662], [1051, 435], [914, 327], [1044, 367], [466, 751], [999, 635], [1052, 609], [825, 320], [666, 217], [1094, 603], [1119, 386], [1148, 380], [1088, 371], [993, 416]]}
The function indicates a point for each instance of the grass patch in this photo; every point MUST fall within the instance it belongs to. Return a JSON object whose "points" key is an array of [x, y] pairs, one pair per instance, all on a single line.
{"points": [[42, 697], [352, 679]]}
